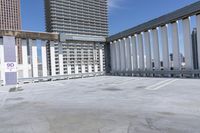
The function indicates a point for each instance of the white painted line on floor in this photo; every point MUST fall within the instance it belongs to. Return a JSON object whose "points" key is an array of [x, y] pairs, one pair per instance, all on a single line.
{"points": [[157, 84], [161, 84], [3, 91]]}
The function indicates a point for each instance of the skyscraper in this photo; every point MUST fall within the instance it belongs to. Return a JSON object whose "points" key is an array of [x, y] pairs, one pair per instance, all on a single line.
{"points": [[87, 17], [10, 19], [83, 27]]}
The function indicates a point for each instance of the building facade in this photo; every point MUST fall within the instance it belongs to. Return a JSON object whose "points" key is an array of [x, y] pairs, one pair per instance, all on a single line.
{"points": [[10, 19], [83, 25], [85, 17]]}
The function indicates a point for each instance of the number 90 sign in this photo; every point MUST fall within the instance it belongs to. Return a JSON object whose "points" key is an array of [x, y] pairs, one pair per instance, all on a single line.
{"points": [[10, 67]]}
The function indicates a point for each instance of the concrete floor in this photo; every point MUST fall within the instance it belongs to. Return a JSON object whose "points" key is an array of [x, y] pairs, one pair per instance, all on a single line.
{"points": [[103, 105]]}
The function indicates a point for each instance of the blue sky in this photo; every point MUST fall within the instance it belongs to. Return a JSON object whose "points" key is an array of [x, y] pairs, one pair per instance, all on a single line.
{"points": [[123, 14]]}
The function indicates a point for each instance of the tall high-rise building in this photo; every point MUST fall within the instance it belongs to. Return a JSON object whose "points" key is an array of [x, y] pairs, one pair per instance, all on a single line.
{"points": [[83, 27], [85, 17], [10, 19]]}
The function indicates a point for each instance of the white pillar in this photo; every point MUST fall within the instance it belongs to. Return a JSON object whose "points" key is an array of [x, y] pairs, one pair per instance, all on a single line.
{"points": [[175, 47], [95, 58], [198, 37], [34, 57], [148, 50], [95, 68], [129, 59], [44, 58], [89, 68], [25, 58], [83, 68], [134, 53], [126, 54], [61, 64], [113, 56], [140, 51], [101, 57], [53, 62], [76, 68], [122, 56], [76, 62], [165, 47], [187, 44], [156, 49], [2, 62], [117, 52], [112, 48], [114, 45], [69, 69]]}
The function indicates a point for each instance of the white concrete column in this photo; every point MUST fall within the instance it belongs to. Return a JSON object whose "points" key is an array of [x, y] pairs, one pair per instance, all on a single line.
{"points": [[121, 55], [187, 44], [175, 47], [69, 69], [165, 47], [129, 41], [61, 64], [83, 68], [89, 68], [148, 50], [114, 57], [2, 61], [95, 58], [140, 51], [123, 43], [76, 68], [34, 57], [101, 57], [76, 62], [52, 56], [44, 58], [89, 62], [82, 61], [128, 54], [134, 53], [25, 58], [198, 37], [95, 68], [156, 52], [117, 52], [112, 49]]}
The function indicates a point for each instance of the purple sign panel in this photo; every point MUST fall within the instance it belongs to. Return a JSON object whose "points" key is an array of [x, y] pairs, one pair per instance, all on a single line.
{"points": [[10, 60]]}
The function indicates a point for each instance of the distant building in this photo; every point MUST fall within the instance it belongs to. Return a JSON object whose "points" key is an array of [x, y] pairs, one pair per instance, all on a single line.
{"points": [[83, 25], [85, 17], [10, 19]]}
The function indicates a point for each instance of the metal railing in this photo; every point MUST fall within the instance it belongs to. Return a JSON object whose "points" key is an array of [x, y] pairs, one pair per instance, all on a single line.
{"points": [[59, 77], [161, 73]]}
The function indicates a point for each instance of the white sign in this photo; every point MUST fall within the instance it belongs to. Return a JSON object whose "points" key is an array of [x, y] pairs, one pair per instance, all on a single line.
{"points": [[10, 66]]}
